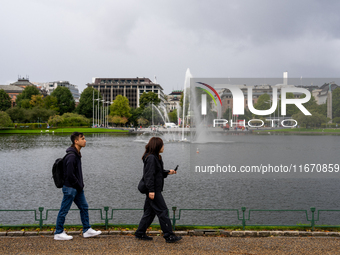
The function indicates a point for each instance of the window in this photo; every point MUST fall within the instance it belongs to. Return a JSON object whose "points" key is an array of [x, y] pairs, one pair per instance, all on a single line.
{"points": [[156, 91], [149, 87]]}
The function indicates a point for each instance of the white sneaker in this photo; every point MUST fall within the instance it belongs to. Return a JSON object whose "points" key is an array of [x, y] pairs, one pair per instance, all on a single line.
{"points": [[62, 236], [91, 233]]}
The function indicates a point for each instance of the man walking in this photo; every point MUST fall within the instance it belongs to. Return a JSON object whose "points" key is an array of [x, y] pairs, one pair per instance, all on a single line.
{"points": [[73, 190]]}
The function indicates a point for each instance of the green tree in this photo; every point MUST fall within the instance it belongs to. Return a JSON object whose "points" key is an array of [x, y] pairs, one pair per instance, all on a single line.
{"points": [[5, 100], [74, 119], [85, 106], [40, 114], [25, 103], [335, 103], [173, 116], [65, 99], [120, 107], [50, 102], [314, 120], [148, 98], [27, 93], [18, 114], [136, 113], [55, 120], [5, 120]]}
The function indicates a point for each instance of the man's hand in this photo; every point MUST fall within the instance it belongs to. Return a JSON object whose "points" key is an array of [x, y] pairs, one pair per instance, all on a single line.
{"points": [[152, 195], [172, 171]]}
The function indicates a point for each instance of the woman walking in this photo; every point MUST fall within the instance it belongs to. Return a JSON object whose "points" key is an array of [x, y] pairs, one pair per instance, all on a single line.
{"points": [[154, 174]]}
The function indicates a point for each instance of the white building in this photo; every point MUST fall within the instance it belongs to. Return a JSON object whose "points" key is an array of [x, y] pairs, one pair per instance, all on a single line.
{"points": [[51, 86]]}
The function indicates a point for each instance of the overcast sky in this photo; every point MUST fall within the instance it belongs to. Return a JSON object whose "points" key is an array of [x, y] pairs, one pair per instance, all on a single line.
{"points": [[76, 40]]}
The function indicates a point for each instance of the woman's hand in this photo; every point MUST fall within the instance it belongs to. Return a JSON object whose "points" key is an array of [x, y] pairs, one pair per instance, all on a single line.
{"points": [[151, 195], [172, 171]]}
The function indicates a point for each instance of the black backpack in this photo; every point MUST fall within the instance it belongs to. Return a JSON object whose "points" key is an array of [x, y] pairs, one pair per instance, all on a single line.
{"points": [[58, 172]]}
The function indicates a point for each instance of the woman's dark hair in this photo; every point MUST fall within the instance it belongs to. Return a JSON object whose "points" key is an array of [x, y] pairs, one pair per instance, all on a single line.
{"points": [[153, 147]]}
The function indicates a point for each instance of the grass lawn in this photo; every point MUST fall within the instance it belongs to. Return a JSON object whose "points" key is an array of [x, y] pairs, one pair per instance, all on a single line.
{"points": [[62, 130]]}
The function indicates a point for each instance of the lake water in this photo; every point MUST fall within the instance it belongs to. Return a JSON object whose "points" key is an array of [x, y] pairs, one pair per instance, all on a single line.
{"points": [[112, 168]]}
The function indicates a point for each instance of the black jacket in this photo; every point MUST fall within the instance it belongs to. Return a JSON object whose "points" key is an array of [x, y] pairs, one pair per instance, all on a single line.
{"points": [[153, 173], [73, 173]]}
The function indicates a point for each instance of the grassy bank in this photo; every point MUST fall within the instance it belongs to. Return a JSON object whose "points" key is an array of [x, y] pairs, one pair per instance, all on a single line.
{"points": [[62, 130]]}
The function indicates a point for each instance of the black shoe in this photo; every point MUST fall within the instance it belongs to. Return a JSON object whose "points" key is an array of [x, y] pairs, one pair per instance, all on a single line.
{"points": [[173, 239], [144, 237]]}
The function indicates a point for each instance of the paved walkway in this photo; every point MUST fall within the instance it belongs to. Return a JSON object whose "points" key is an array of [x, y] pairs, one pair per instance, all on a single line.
{"points": [[120, 244]]}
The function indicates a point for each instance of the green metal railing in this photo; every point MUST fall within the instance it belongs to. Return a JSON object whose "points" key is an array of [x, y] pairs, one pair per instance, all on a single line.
{"points": [[314, 217]]}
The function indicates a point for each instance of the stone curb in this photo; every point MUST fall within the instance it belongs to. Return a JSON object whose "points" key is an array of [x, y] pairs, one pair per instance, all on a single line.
{"points": [[196, 232]]}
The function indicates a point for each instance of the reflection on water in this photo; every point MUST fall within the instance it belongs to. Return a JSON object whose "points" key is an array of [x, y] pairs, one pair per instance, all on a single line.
{"points": [[112, 167]]}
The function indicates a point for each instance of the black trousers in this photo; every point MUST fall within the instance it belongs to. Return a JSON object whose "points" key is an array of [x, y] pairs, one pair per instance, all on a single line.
{"points": [[152, 208]]}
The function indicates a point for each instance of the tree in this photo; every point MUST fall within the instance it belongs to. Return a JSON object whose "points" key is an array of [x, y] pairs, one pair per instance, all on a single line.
{"points": [[5, 100], [50, 102], [37, 100], [117, 120], [141, 121], [74, 119], [336, 103], [85, 106], [27, 93], [55, 120], [65, 99], [314, 120], [17, 114], [38, 114], [5, 120], [149, 98], [25, 103], [173, 116], [135, 114], [120, 107]]}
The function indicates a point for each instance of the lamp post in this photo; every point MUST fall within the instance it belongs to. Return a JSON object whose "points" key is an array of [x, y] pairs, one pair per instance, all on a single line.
{"points": [[97, 112], [107, 113]]}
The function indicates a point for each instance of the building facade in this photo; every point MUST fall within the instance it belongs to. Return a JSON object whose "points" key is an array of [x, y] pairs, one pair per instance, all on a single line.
{"points": [[173, 100], [12, 91], [51, 86], [132, 88]]}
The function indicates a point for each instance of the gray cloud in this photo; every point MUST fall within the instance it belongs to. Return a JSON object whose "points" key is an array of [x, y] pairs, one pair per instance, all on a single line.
{"points": [[78, 40]]}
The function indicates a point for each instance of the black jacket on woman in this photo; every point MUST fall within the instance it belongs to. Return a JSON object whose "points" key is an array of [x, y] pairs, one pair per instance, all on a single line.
{"points": [[154, 173]]}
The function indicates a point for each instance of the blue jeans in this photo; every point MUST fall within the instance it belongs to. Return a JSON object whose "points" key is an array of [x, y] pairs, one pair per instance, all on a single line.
{"points": [[72, 195]]}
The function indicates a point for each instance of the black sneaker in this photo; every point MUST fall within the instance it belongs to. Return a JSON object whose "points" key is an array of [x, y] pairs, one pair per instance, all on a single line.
{"points": [[173, 239], [144, 237]]}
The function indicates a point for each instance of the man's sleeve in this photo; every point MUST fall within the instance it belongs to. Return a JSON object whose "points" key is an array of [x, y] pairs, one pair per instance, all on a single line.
{"points": [[70, 170], [149, 175]]}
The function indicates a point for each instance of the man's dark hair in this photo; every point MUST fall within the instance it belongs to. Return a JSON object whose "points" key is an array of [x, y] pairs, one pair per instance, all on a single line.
{"points": [[75, 136]]}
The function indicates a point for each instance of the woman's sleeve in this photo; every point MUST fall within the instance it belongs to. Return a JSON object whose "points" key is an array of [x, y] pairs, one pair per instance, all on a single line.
{"points": [[149, 175]]}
